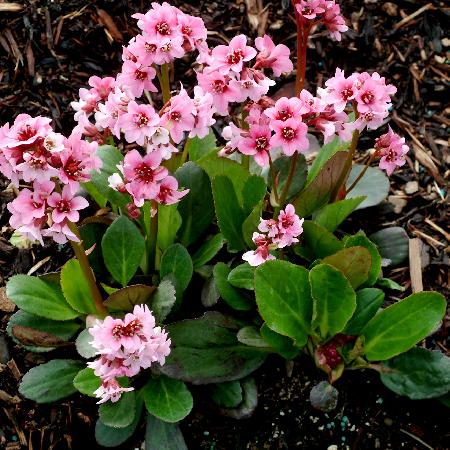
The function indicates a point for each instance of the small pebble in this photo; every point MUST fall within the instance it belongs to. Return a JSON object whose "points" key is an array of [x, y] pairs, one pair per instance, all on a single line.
{"points": [[388, 421], [411, 187], [332, 447]]}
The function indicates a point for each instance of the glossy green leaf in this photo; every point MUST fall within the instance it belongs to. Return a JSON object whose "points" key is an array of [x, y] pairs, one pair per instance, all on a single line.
{"points": [[76, 288], [227, 395], [282, 345], [284, 299], [251, 223], [318, 242], [169, 222], [402, 325], [242, 276], [418, 374], [386, 283], [206, 350], [167, 399], [39, 297], [374, 185], [208, 250], [83, 346], [92, 234], [230, 294], [368, 302], [280, 171], [250, 335], [360, 240], [210, 293], [50, 381], [334, 300], [123, 247], [393, 244], [332, 215], [197, 148], [249, 401], [126, 298], [87, 382], [253, 192], [177, 261], [160, 435], [196, 208], [119, 414], [163, 300], [353, 262]]}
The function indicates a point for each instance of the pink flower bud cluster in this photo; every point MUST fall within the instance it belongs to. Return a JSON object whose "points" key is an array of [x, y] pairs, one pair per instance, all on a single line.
{"points": [[125, 346], [31, 152], [326, 12], [391, 149], [274, 234], [229, 78], [328, 356]]}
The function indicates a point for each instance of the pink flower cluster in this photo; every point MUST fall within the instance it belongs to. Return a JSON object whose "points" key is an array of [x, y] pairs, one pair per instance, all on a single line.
{"points": [[326, 12], [227, 76], [391, 149], [125, 347], [274, 234], [32, 152]]}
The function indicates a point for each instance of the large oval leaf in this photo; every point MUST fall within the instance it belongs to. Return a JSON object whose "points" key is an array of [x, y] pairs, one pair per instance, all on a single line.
{"points": [[402, 325], [126, 298], [334, 300], [119, 414], [87, 382], [161, 435], [50, 381], [208, 250], [167, 399], [284, 299], [38, 297], [123, 248], [418, 374], [392, 243], [177, 261]]}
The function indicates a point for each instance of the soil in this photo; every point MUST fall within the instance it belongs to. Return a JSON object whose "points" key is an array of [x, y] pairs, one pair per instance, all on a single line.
{"points": [[49, 49]]}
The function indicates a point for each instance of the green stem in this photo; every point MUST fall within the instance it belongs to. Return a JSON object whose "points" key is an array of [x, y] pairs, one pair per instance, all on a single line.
{"points": [[287, 185], [80, 253], [165, 83], [358, 179], [274, 181], [151, 231], [185, 153]]}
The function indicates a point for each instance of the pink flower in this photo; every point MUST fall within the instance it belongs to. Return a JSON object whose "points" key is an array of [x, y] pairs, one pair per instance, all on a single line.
{"points": [[290, 135], [168, 192], [289, 226], [60, 233], [252, 85], [286, 108], [192, 29], [139, 122], [256, 142], [340, 90], [110, 390], [66, 206], [333, 20], [232, 56], [392, 150], [261, 254], [310, 9], [137, 78], [26, 130], [160, 21], [102, 86], [373, 94], [203, 113], [275, 57]]}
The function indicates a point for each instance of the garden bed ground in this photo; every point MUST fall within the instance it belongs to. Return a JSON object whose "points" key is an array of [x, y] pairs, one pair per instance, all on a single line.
{"points": [[49, 49]]}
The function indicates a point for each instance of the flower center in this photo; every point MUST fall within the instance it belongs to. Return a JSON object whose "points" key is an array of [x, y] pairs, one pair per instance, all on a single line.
{"points": [[144, 173], [26, 132], [346, 93], [288, 133], [284, 114], [186, 30], [163, 28], [141, 120], [63, 206], [218, 86], [175, 116], [367, 97], [261, 143], [150, 48], [235, 57], [72, 168], [140, 75]]}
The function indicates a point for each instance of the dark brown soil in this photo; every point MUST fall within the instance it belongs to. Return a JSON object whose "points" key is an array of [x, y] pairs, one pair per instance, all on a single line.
{"points": [[48, 50]]}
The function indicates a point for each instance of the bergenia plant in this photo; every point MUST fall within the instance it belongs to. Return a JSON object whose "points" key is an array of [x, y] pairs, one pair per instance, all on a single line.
{"points": [[148, 198]]}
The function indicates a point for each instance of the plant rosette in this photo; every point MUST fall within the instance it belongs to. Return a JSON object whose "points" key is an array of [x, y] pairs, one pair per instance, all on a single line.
{"points": [[172, 217]]}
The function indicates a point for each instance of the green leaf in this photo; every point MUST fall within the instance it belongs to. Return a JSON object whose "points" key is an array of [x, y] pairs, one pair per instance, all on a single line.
{"points": [[197, 208], [392, 243], [126, 298], [86, 382], [95, 194], [234, 297], [318, 242], [368, 302], [353, 262], [215, 166], [318, 192], [360, 240], [167, 399], [325, 153], [161, 435], [227, 395], [281, 168], [242, 276], [332, 215], [402, 325], [38, 334], [39, 297], [374, 185], [113, 437], [169, 222], [163, 300], [123, 247], [76, 288], [92, 234], [210, 293], [110, 157], [282, 345], [119, 414], [198, 148], [50, 381], [418, 374], [206, 350], [334, 300], [251, 223], [208, 250], [177, 261], [250, 335], [230, 215], [249, 401], [83, 346], [254, 191], [284, 299], [386, 283]]}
